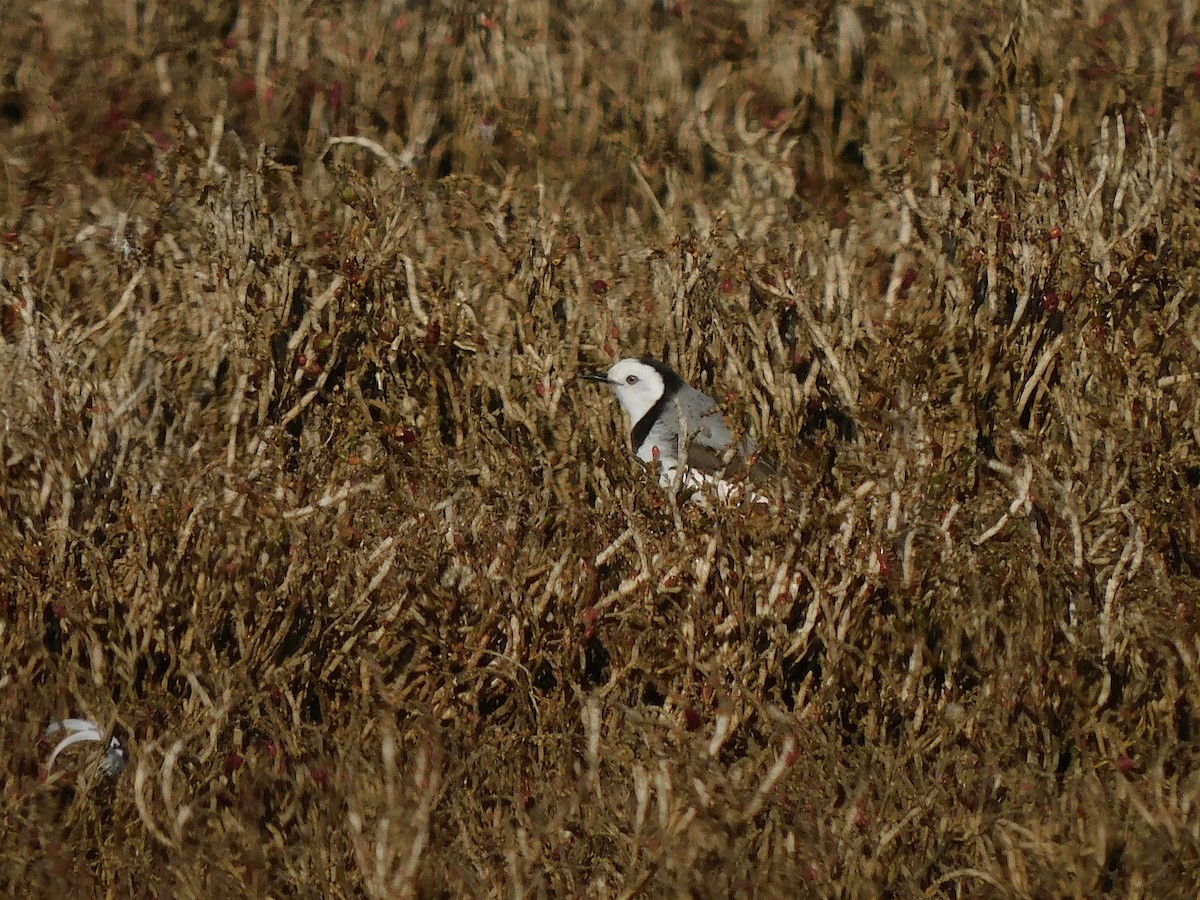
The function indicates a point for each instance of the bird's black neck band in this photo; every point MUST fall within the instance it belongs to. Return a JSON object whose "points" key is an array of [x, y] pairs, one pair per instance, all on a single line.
{"points": [[641, 428]]}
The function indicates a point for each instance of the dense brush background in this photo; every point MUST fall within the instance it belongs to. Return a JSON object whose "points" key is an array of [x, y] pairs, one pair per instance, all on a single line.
{"points": [[300, 496]]}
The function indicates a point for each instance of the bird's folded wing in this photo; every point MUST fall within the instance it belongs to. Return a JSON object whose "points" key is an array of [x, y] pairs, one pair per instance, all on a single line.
{"points": [[745, 462]]}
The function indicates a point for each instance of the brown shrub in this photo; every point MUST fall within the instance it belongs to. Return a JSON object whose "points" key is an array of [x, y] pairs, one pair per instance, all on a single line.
{"points": [[301, 498]]}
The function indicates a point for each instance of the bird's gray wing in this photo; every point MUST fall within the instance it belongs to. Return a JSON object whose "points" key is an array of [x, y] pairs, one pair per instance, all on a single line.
{"points": [[711, 438], [746, 462]]}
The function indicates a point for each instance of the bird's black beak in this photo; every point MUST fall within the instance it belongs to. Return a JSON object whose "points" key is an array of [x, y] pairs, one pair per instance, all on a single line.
{"points": [[601, 377]]}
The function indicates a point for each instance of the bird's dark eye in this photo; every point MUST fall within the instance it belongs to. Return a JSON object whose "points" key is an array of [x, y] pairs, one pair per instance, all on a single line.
{"points": [[632, 379]]}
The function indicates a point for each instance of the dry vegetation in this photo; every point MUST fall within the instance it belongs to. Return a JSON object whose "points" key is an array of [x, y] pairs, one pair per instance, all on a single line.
{"points": [[300, 497]]}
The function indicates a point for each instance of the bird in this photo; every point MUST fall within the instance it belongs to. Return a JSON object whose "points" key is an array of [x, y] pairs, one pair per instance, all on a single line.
{"points": [[682, 429], [115, 758]]}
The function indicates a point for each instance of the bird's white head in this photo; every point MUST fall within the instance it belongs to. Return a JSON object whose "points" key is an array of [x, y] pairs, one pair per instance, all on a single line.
{"points": [[638, 386]]}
